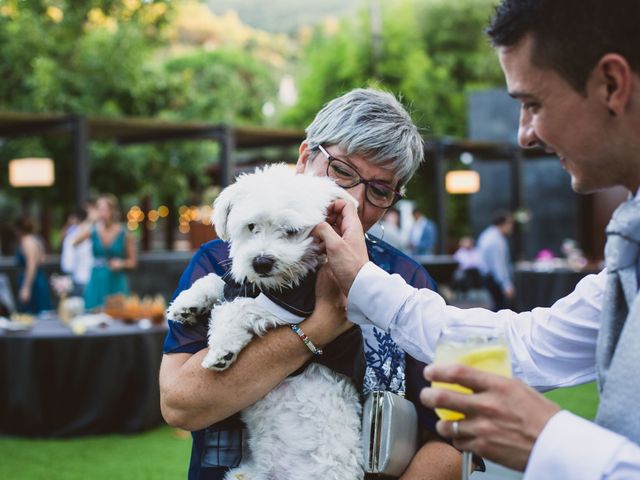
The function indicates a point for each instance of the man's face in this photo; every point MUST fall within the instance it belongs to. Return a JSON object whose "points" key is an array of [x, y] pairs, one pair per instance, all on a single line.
{"points": [[309, 162], [561, 120]]}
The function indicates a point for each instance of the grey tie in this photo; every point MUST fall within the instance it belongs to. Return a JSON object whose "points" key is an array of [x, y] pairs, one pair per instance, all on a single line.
{"points": [[618, 347]]}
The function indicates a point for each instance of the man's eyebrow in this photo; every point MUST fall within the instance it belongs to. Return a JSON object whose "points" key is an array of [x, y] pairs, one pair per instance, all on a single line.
{"points": [[518, 94]]}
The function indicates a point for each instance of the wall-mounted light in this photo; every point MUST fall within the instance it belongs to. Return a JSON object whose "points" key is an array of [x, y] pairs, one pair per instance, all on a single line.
{"points": [[462, 181], [31, 172]]}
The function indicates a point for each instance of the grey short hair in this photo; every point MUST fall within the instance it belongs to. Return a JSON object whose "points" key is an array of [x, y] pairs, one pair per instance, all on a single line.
{"points": [[373, 124]]}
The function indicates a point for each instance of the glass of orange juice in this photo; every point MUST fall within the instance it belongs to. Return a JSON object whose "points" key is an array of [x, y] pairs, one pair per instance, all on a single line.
{"points": [[484, 348]]}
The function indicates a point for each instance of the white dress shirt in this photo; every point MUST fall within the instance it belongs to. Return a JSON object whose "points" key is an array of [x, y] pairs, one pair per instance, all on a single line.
{"points": [[550, 347], [76, 260]]}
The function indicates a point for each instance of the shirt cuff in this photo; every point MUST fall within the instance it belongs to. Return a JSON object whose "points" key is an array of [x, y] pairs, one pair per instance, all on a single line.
{"points": [[375, 297], [570, 447]]}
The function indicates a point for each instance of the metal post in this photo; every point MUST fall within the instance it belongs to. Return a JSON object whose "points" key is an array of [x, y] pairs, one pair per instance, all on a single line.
{"points": [[517, 202], [439, 162], [227, 156], [81, 158]]}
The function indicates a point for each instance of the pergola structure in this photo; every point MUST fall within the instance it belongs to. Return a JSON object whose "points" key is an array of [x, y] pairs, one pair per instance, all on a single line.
{"points": [[126, 131]]}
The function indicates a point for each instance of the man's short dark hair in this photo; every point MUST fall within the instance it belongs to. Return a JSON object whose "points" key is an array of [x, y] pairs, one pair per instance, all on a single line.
{"points": [[570, 36], [501, 217]]}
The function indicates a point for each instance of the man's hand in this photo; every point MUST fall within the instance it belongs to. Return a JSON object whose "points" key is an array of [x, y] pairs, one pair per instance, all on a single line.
{"points": [[509, 293], [503, 418], [345, 246], [329, 318]]}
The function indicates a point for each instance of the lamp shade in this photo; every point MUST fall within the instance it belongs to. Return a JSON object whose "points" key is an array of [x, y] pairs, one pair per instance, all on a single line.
{"points": [[462, 181], [31, 172]]}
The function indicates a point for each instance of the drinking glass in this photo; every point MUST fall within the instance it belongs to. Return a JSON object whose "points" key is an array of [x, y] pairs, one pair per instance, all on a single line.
{"points": [[484, 348]]}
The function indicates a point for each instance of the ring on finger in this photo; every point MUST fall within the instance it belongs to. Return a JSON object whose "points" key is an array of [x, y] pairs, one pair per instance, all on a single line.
{"points": [[456, 429]]}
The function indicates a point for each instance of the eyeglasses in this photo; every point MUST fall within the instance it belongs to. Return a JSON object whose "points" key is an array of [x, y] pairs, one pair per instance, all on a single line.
{"points": [[377, 193]]}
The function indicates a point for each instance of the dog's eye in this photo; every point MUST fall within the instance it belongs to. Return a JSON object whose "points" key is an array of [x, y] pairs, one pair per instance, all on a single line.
{"points": [[251, 227], [291, 232]]}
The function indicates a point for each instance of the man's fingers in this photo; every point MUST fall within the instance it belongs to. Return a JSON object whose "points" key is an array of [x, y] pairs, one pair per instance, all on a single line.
{"points": [[476, 380], [443, 398], [325, 233]]}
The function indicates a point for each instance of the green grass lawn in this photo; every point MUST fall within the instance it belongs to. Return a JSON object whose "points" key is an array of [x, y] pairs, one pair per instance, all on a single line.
{"points": [[581, 400], [155, 455], [160, 454]]}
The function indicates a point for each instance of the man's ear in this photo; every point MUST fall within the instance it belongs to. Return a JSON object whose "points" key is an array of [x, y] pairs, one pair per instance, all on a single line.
{"points": [[222, 209], [615, 78], [303, 157]]}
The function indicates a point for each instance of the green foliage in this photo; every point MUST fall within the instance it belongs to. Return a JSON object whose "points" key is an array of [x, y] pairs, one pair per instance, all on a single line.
{"points": [[221, 86], [109, 58], [432, 52]]}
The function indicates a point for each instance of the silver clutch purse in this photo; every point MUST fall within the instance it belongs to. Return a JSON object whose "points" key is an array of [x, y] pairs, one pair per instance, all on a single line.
{"points": [[389, 433]]}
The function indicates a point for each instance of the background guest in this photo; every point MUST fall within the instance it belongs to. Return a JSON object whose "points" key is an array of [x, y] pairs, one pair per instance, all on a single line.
{"points": [[33, 289], [423, 235], [114, 252], [77, 259], [471, 267], [388, 229], [494, 246]]}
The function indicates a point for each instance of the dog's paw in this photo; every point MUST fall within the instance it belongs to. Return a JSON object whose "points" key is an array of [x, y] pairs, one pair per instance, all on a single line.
{"points": [[219, 360], [188, 314], [226, 341], [195, 304]]}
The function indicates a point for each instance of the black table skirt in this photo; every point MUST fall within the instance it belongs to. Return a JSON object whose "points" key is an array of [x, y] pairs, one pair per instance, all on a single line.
{"points": [[56, 384], [543, 289]]}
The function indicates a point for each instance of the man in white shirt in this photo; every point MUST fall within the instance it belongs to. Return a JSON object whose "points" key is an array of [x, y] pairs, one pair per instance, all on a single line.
{"points": [[494, 247], [575, 67], [77, 260]]}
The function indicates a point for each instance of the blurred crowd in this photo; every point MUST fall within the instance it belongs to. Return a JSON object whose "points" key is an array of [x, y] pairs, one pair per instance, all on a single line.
{"points": [[96, 252]]}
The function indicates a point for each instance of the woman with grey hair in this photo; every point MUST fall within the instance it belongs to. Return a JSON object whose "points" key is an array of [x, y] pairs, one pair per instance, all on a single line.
{"points": [[367, 143]]}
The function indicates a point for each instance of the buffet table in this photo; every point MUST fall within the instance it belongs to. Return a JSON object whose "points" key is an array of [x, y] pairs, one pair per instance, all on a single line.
{"points": [[54, 383]]}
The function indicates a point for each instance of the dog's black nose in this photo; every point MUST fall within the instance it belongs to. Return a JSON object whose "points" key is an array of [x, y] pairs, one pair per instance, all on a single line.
{"points": [[263, 264]]}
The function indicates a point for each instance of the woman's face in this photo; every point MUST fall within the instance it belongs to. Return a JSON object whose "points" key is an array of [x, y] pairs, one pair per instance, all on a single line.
{"points": [[104, 211], [317, 164]]}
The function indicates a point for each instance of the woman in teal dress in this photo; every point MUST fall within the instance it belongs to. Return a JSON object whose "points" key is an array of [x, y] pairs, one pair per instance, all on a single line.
{"points": [[33, 290], [114, 252]]}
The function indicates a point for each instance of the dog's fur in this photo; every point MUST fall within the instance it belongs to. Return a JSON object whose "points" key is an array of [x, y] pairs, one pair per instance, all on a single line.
{"points": [[309, 425]]}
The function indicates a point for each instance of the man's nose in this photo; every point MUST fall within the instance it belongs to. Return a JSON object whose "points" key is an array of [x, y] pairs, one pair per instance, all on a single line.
{"points": [[526, 133]]}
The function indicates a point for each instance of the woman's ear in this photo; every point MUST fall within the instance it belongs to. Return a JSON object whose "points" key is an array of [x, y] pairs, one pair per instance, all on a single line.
{"points": [[303, 157]]}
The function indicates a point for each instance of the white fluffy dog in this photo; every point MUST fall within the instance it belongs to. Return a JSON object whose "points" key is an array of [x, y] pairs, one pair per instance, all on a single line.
{"points": [[309, 425]]}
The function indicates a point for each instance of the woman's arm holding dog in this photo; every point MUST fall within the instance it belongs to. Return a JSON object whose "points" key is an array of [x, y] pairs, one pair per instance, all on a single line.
{"points": [[194, 398]]}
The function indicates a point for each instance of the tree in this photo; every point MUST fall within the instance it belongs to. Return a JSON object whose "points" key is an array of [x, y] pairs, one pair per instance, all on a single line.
{"points": [[119, 58]]}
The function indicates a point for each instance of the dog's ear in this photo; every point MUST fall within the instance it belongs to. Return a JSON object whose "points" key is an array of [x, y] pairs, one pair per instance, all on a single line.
{"points": [[221, 210]]}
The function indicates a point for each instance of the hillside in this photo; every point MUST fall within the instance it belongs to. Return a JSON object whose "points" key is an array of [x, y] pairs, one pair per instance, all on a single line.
{"points": [[284, 15]]}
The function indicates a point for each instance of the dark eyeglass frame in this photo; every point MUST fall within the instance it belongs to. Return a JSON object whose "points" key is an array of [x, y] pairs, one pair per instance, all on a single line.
{"points": [[360, 179]]}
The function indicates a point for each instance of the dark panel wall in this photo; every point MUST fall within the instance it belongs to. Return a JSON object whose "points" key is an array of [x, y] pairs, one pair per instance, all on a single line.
{"points": [[547, 193]]}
